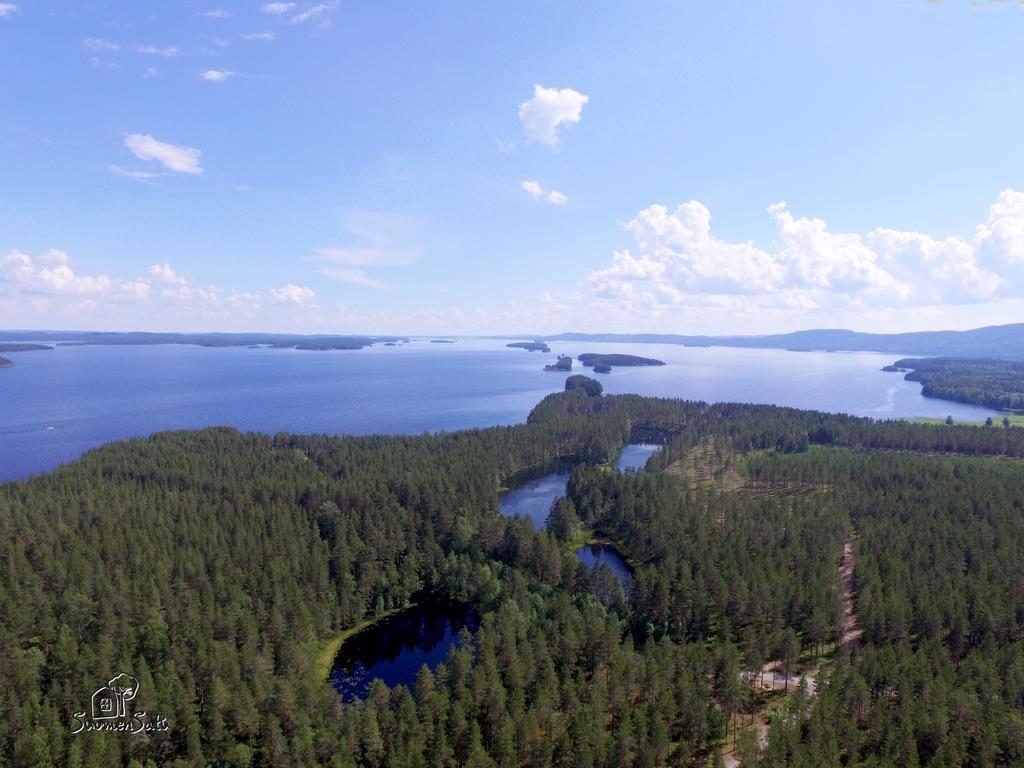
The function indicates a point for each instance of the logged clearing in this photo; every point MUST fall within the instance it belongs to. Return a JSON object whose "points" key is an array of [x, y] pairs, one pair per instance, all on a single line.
{"points": [[714, 464], [709, 463]]}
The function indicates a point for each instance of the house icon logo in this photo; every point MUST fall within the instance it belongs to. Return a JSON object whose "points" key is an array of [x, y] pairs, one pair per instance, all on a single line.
{"points": [[110, 710], [108, 703]]}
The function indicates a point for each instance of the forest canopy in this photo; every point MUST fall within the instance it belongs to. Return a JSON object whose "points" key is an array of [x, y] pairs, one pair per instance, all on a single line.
{"points": [[992, 383], [212, 565]]}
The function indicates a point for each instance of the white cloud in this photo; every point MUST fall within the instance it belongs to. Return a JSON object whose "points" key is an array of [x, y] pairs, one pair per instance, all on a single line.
{"points": [[539, 193], [99, 44], [548, 110], [218, 13], [1001, 238], [532, 187], [162, 273], [51, 275], [678, 261], [129, 173], [264, 37], [172, 157], [97, 62], [216, 75], [276, 9], [167, 51], [150, 72], [352, 275], [313, 12], [292, 294], [7, 9]]}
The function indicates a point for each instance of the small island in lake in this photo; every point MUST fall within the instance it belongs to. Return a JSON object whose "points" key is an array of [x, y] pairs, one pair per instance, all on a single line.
{"points": [[5, 363], [530, 346], [564, 363], [603, 363], [442, 341], [584, 385]]}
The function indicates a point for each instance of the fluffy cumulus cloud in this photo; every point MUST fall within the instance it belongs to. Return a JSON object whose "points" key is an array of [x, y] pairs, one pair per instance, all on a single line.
{"points": [[172, 157], [539, 193], [549, 110], [293, 294], [52, 276], [7, 9], [677, 260], [163, 273], [49, 289]]}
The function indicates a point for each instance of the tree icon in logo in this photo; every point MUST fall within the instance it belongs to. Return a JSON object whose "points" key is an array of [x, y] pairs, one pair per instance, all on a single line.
{"points": [[108, 703]]}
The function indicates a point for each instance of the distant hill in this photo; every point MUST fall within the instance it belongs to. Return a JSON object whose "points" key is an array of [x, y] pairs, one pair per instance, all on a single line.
{"points": [[1000, 341]]}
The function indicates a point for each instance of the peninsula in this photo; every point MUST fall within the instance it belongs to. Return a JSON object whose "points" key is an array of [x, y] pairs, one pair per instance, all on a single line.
{"points": [[986, 382], [22, 347]]}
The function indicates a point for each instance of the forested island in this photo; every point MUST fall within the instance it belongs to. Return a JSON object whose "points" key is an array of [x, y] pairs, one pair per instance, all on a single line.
{"points": [[604, 362], [531, 346], [846, 591], [564, 363], [992, 383]]}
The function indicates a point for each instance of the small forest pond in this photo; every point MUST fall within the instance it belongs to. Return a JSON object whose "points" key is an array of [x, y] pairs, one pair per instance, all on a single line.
{"points": [[635, 455], [396, 648], [533, 498], [593, 555]]}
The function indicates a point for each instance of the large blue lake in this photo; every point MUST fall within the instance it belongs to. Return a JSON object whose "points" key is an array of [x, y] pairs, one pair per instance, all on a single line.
{"points": [[57, 404]]}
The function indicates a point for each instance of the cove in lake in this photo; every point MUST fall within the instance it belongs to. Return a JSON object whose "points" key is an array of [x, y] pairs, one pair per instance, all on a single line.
{"points": [[533, 499], [395, 648], [593, 555], [58, 404], [635, 455]]}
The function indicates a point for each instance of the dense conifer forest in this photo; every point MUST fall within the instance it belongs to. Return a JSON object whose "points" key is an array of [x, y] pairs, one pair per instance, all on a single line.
{"points": [[992, 383], [809, 590]]}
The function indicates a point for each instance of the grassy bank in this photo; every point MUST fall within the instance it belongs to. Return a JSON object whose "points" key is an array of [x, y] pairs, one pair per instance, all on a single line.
{"points": [[329, 647], [1016, 420]]}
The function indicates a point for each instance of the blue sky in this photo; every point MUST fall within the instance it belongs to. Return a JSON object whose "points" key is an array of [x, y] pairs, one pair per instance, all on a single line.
{"points": [[467, 167]]}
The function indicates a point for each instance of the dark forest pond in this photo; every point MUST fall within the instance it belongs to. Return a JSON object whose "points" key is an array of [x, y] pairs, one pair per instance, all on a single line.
{"points": [[533, 499], [635, 455], [595, 554], [396, 648]]}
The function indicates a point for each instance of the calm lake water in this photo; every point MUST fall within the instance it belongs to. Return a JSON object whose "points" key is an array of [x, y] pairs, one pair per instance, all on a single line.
{"points": [[396, 648], [60, 403], [593, 555], [533, 498], [635, 455]]}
